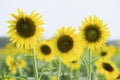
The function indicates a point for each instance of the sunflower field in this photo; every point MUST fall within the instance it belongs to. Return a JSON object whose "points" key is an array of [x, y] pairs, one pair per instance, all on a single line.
{"points": [[68, 55]]}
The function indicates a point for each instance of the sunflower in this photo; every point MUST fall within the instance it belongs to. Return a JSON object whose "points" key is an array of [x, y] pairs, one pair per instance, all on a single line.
{"points": [[107, 68], [11, 64], [94, 33], [14, 63], [107, 52], [74, 64], [45, 51], [118, 77], [25, 29], [68, 44], [21, 63]]}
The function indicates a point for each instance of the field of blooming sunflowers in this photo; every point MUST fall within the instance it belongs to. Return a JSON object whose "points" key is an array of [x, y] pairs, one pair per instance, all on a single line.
{"points": [[68, 55]]}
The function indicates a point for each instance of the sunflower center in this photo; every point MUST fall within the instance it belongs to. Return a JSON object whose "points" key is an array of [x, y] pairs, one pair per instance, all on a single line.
{"points": [[107, 67], [65, 43], [74, 61], [25, 27], [45, 49], [103, 53], [92, 33], [118, 77]]}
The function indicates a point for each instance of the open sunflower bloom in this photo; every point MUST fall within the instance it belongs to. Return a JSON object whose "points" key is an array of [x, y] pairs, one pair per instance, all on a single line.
{"points": [[107, 52], [25, 29], [107, 68], [94, 33], [68, 44], [11, 64], [74, 64], [45, 50]]}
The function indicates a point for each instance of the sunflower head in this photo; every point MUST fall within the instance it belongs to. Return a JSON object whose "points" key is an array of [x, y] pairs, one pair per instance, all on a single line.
{"points": [[45, 51], [25, 29], [11, 64], [107, 52], [107, 68], [68, 44], [74, 64], [93, 32], [118, 77]]}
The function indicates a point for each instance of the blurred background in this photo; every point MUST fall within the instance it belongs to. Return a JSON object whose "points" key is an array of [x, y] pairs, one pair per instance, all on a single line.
{"points": [[57, 13]]}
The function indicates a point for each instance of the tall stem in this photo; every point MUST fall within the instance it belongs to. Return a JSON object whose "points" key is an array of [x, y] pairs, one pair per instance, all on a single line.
{"points": [[50, 66], [20, 71], [35, 64], [59, 70], [89, 65], [70, 73]]}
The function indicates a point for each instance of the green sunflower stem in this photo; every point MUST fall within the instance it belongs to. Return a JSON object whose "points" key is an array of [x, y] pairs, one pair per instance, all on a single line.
{"points": [[40, 76], [89, 65], [70, 73], [35, 64], [20, 71], [51, 71], [59, 70], [77, 76]]}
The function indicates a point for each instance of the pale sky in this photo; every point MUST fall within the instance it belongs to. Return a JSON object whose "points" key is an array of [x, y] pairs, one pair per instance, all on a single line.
{"points": [[57, 13]]}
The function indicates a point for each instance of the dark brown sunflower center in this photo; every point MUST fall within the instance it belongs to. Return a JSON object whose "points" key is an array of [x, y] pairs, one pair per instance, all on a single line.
{"points": [[45, 49], [103, 53], [107, 67], [92, 33], [74, 61], [65, 43], [118, 77], [25, 27]]}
